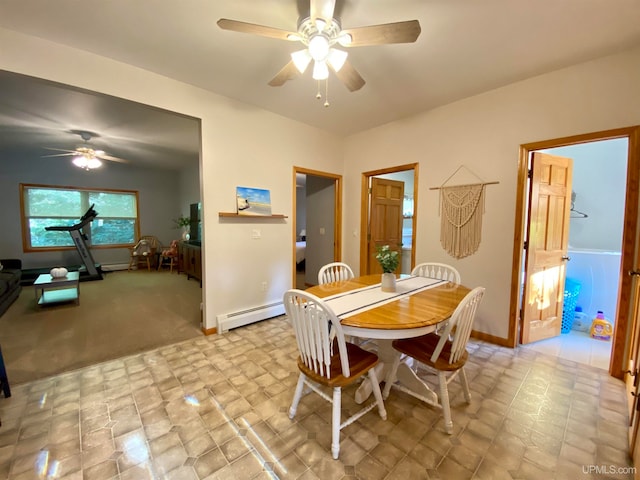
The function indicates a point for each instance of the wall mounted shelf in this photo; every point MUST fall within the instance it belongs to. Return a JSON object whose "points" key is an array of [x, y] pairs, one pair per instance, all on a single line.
{"points": [[235, 215]]}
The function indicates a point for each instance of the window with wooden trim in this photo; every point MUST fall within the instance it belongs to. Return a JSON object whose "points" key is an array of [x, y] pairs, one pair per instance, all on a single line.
{"points": [[44, 205]]}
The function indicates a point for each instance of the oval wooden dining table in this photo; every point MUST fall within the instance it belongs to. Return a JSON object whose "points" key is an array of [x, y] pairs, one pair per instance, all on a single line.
{"points": [[408, 315]]}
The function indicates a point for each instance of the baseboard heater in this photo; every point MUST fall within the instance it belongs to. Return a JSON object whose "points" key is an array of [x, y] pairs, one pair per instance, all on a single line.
{"points": [[228, 321]]}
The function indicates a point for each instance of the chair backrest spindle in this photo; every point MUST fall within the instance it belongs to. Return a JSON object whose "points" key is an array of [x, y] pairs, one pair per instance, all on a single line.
{"points": [[316, 327], [441, 271], [334, 272]]}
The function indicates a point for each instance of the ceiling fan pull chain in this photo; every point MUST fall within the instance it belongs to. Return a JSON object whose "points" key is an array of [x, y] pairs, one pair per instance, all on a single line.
{"points": [[318, 96], [326, 92]]}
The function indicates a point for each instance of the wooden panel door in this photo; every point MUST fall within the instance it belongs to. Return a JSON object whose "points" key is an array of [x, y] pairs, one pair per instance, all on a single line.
{"points": [[546, 247], [632, 375], [385, 219]]}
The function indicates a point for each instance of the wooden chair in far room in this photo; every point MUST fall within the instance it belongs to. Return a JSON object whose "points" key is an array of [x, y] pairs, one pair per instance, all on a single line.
{"points": [[144, 252], [441, 271], [327, 360], [170, 256], [440, 355], [334, 272]]}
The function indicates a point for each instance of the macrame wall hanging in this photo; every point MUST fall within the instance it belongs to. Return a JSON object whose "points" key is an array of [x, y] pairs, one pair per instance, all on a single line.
{"points": [[461, 210]]}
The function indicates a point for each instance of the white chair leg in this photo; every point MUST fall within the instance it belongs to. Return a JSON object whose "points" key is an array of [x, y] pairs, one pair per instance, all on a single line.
{"points": [[465, 385], [335, 422], [296, 396], [391, 376], [373, 378], [444, 401]]}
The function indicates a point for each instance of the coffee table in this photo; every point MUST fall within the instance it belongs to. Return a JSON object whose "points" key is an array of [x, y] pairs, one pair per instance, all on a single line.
{"points": [[51, 290]]}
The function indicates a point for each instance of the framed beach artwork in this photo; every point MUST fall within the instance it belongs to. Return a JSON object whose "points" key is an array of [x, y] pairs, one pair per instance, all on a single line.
{"points": [[253, 201]]}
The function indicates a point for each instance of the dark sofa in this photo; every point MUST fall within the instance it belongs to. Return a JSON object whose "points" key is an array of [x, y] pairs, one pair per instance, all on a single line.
{"points": [[10, 287]]}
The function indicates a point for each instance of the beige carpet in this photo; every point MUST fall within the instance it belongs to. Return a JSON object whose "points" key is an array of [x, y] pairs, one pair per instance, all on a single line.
{"points": [[126, 313]]}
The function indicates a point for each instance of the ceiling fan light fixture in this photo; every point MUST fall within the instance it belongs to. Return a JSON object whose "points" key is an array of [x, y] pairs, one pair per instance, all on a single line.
{"points": [[88, 162], [80, 161], [337, 58], [319, 47], [320, 71], [344, 39], [94, 163], [320, 24], [301, 59]]}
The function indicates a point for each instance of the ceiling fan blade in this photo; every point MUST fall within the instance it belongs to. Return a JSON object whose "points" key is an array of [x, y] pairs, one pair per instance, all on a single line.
{"points": [[322, 9], [59, 155], [399, 32], [69, 152], [263, 31], [103, 156], [349, 76], [288, 72]]}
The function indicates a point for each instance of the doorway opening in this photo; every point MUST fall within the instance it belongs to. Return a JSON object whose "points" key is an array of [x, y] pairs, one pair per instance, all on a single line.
{"points": [[389, 217], [317, 223], [594, 251], [585, 201]]}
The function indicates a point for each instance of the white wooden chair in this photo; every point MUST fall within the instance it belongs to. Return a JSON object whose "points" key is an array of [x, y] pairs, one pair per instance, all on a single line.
{"points": [[327, 360], [144, 252], [334, 272], [440, 355], [441, 271]]}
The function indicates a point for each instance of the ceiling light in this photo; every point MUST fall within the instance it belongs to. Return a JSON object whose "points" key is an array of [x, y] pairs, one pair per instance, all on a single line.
{"points": [[86, 161], [320, 71], [319, 47], [337, 58], [93, 163], [344, 39], [301, 59]]}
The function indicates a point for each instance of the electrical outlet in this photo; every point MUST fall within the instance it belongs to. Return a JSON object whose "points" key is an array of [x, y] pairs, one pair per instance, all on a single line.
{"points": [[264, 286]]}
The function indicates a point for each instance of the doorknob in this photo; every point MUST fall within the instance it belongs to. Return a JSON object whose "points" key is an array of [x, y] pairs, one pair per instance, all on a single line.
{"points": [[566, 257], [634, 272]]}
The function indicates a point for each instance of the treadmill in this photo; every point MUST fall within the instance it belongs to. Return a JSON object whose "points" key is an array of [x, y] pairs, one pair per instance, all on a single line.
{"points": [[91, 270]]}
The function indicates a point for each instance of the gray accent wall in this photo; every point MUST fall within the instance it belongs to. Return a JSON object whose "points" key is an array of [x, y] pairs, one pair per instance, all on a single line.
{"points": [[162, 196], [320, 225]]}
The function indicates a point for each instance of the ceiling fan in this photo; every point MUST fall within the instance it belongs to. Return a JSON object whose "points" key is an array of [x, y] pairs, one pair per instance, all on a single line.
{"points": [[84, 156], [320, 32]]}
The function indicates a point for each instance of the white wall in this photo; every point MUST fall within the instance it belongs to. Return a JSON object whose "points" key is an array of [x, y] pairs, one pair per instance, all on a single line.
{"points": [[484, 133], [241, 145]]}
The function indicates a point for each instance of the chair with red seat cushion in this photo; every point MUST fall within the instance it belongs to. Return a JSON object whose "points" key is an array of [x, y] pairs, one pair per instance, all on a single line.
{"points": [[169, 255]]}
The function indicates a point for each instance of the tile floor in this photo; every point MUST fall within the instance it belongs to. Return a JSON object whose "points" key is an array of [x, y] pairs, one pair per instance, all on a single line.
{"points": [[216, 408], [577, 346]]}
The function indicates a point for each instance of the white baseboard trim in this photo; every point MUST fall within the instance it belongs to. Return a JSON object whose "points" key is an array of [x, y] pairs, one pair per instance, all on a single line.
{"points": [[250, 315]]}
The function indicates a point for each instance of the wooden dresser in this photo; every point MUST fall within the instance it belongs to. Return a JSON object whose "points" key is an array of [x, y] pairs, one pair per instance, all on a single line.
{"points": [[190, 260]]}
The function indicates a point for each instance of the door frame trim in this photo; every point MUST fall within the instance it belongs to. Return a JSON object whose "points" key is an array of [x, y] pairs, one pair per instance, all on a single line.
{"points": [[364, 208], [620, 349], [337, 215]]}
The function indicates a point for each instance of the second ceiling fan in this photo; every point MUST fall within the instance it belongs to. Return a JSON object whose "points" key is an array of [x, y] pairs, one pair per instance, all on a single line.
{"points": [[84, 156], [320, 33]]}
